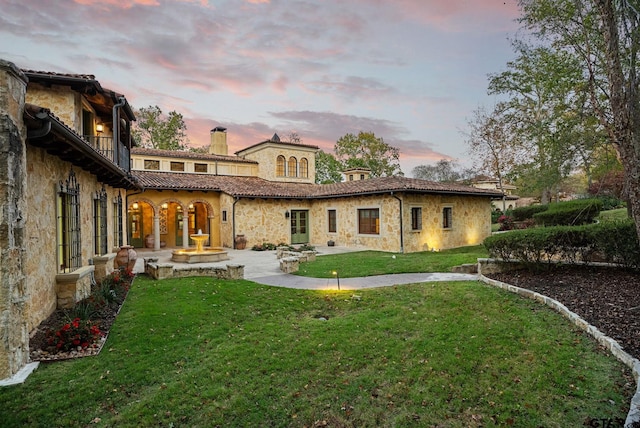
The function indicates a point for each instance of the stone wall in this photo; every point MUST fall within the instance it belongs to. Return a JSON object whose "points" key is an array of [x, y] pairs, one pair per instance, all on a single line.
{"points": [[264, 221], [267, 154], [14, 294], [44, 173], [65, 104]]}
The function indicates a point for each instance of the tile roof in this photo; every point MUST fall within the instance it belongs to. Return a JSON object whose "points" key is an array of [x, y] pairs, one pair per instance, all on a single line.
{"points": [[187, 154], [260, 188]]}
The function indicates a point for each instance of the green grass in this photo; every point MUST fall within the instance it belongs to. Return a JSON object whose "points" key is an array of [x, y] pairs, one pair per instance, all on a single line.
{"points": [[613, 215], [367, 263], [199, 352]]}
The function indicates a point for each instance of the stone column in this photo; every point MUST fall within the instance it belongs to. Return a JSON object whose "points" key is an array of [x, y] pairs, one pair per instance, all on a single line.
{"points": [[185, 231], [156, 232], [14, 337]]}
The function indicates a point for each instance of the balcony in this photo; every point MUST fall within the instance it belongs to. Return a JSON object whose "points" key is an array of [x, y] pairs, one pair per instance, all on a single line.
{"points": [[104, 146]]}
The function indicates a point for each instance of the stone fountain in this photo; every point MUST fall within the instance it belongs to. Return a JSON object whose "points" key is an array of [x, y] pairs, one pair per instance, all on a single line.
{"points": [[200, 254]]}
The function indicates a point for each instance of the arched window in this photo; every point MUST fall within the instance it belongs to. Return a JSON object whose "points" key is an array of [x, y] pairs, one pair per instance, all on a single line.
{"points": [[280, 166], [304, 168], [293, 167]]}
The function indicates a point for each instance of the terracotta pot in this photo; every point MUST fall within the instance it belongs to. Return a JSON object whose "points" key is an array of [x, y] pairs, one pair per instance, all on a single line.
{"points": [[126, 257], [241, 242]]}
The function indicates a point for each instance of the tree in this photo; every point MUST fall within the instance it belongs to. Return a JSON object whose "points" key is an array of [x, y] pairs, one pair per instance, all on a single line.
{"points": [[328, 169], [157, 131], [496, 150], [368, 151], [445, 171], [605, 35], [542, 85]]}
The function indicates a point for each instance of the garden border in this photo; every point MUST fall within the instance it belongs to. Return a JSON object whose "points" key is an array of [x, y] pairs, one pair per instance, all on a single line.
{"points": [[633, 417]]}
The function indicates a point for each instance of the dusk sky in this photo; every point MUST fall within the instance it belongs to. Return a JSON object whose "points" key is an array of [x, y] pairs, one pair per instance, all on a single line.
{"points": [[411, 71]]}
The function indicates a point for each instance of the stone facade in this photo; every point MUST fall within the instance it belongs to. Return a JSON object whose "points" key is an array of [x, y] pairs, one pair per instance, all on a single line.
{"points": [[32, 280], [14, 293], [44, 173], [267, 153]]}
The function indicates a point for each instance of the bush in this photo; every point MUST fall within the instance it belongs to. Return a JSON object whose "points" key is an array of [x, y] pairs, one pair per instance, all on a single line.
{"points": [[265, 246], [525, 213], [579, 211], [617, 242], [506, 223], [74, 334]]}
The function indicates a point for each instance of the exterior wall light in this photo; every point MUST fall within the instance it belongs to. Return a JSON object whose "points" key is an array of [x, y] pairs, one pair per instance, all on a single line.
{"points": [[99, 128]]}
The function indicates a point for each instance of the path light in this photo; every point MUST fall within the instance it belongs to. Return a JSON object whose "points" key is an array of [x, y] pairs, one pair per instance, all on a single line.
{"points": [[335, 272]]}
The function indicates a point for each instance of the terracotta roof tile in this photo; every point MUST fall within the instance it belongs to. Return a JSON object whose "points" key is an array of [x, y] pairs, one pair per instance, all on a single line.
{"points": [[260, 188]]}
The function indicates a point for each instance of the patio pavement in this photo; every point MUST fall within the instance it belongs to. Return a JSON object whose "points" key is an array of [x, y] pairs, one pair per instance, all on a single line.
{"points": [[264, 268]]}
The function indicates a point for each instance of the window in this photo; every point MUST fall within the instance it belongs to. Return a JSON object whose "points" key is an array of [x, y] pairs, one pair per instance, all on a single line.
{"points": [[100, 222], [416, 218], [280, 166], [361, 176], [177, 166], [224, 216], [68, 210], [200, 167], [117, 221], [369, 221], [447, 213], [152, 164], [292, 169], [332, 221], [304, 168], [350, 177]]}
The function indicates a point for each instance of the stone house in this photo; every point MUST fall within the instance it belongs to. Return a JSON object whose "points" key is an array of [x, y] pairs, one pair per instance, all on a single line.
{"points": [[267, 193], [73, 189], [507, 201], [64, 176]]}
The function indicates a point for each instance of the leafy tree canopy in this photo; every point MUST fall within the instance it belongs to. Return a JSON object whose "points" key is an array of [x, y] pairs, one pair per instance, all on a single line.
{"points": [[155, 130], [365, 150]]}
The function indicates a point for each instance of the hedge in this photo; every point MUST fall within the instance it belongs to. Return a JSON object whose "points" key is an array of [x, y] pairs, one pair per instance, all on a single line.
{"points": [[579, 211], [525, 213], [615, 242]]}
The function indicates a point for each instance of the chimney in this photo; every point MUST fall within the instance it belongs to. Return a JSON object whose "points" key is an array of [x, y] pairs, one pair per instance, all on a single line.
{"points": [[219, 141]]}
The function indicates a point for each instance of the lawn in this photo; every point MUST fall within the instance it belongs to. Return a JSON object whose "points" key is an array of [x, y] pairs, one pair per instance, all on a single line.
{"points": [[614, 215], [199, 352], [367, 263]]}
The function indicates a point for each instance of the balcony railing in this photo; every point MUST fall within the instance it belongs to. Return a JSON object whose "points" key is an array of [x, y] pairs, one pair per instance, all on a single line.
{"points": [[104, 146]]}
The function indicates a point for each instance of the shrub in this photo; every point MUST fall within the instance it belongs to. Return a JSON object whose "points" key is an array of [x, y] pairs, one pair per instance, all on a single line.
{"points": [[616, 241], [74, 334], [579, 211], [506, 222], [265, 246], [305, 247], [525, 213]]}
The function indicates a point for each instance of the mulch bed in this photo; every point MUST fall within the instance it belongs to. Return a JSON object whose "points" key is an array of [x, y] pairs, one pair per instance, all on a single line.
{"points": [[607, 298], [40, 350]]}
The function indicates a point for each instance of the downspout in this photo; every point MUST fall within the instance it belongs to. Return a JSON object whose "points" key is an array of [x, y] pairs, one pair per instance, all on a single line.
{"points": [[116, 129], [401, 225], [233, 218]]}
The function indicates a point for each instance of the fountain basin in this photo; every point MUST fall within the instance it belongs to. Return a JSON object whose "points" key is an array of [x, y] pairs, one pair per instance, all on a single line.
{"points": [[196, 255]]}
